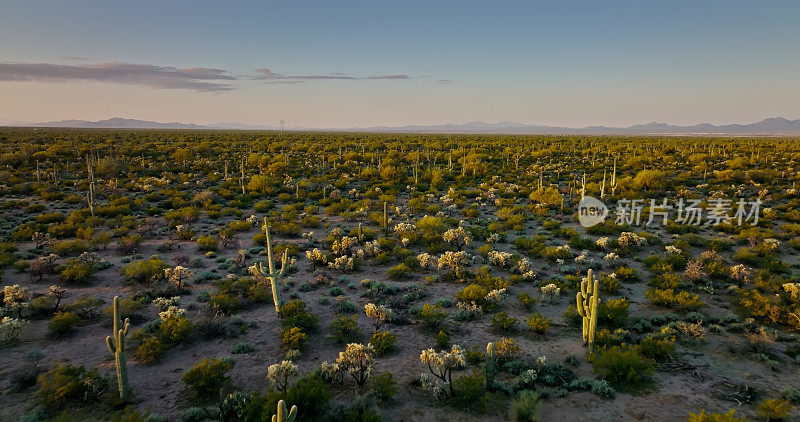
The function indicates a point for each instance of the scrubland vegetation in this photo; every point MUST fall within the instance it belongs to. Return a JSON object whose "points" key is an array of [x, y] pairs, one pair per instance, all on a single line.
{"points": [[202, 275]]}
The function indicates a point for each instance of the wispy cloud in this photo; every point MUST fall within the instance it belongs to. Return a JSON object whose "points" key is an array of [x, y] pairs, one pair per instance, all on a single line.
{"points": [[444, 81], [272, 77], [160, 77]]}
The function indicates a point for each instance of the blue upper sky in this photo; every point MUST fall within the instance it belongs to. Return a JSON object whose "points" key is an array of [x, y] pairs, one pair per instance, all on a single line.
{"points": [[342, 64]]}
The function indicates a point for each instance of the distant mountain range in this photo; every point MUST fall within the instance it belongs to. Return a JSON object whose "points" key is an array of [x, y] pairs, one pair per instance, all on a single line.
{"points": [[771, 126]]}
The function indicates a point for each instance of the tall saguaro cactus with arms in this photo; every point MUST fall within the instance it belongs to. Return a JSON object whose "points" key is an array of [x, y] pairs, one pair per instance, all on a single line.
{"points": [[116, 345], [257, 270], [587, 300]]}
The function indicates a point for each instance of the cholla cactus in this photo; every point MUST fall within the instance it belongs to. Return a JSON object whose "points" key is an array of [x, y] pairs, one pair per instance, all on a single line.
{"points": [[11, 328], [740, 273], [551, 292], [629, 239], [673, 250], [771, 243], [342, 247], [457, 237], [90, 258], [523, 265], [163, 303], [380, 313], [425, 260], [496, 296], [14, 298], [442, 364], [177, 275], [342, 263], [694, 270], [500, 259], [253, 220], [611, 258], [453, 261], [279, 373], [793, 289], [332, 371], [357, 360], [57, 292], [372, 248], [603, 242], [316, 257], [407, 230], [472, 309], [172, 312]]}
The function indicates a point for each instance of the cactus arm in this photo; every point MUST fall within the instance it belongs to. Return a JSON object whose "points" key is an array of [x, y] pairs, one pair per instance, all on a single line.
{"points": [[110, 345], [284, 261], [269, 247], [283, 415]]}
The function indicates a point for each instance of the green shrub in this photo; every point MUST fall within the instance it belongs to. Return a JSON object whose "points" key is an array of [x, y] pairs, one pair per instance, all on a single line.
{"points": [[242, 347], [174, 329], [525, 407], [208, 376], [431, 316], [207, 243], [77, 273], [443, 338], [538, 323], [150, 351], [623, 367], [473, 293], [613, 312], [68, 385], [729, 416], [293, 338], [399, 272], [526, 300], [145, 271], [775, 409], [657, 349], [70, 248], [63, 323], [383, 386], [670, 299], [383, 342], [294, 314], [345, 329], [502, 323]]}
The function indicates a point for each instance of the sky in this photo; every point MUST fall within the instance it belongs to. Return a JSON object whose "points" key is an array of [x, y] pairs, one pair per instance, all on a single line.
{"points": [[339, 64]]}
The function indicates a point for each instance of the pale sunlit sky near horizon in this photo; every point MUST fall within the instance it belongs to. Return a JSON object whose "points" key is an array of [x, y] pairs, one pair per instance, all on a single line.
{"points": [[337, 64]]}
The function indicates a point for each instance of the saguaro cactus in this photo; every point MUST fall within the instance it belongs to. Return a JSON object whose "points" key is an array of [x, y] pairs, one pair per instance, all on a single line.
{"points": [[116, 345], [587, 302], [385, 218], [92, 187], [283, 415], [491, 366], [258, 269]]}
